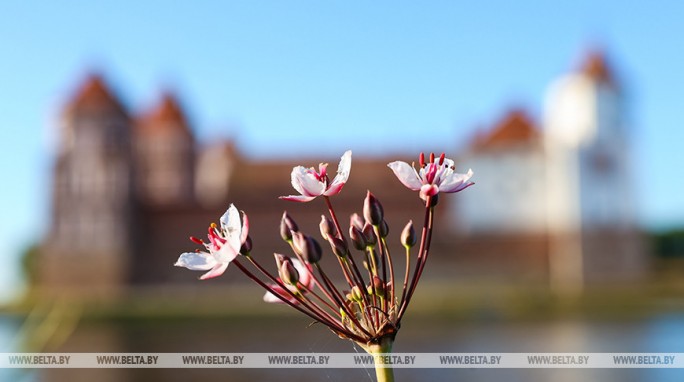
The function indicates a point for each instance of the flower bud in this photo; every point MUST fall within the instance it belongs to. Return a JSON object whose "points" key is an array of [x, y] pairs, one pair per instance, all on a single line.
{"points": [[279, 259], [383, 229], [307, 247], [287, 226], [408, 235], [357, 221], [246, 247], [356, 294], [348, 304], [357, 238], [339, 247], [369, 235], [372, 210], [343, 316], [377, 287], [327, 228], [288, 273]]}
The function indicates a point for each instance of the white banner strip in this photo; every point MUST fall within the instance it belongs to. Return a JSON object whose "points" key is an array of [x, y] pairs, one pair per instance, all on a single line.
{"points": [[343, 360]]}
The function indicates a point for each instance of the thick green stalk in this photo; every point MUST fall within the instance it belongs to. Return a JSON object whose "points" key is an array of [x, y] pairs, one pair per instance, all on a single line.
{"points": [[383, 372]]}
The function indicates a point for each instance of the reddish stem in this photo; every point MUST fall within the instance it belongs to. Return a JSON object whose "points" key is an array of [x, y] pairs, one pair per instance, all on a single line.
{"points": [[422, 255], [308, 304], [331, 324]]}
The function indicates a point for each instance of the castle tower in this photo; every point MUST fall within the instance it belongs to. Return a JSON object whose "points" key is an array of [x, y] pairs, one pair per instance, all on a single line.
{"points": [[591, 209], [215, 166], [165, 154], [588, 137], [501, 223], [90, 239], [509, 159]]}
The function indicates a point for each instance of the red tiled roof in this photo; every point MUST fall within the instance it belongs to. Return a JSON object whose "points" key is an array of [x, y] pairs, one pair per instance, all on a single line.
{"points": [[94, 95], [168, 114], [595, 65], [514, 128]]}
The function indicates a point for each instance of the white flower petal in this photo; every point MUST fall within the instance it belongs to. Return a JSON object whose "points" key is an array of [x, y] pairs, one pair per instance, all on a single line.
{"points": [[406, 175], [297, 172], [334, 188], [444, 171], [216, 271], [456, 182], [306, 183], [196, 261], [226, 254], [343, 170], [228, 216], [271, 298], [298, 198], [304, 273], [230, 223]]}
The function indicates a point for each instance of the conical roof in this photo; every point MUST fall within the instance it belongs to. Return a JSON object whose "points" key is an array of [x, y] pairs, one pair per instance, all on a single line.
{"points": [[595, 65], [514, 127], [167, 114], [94, 95]]}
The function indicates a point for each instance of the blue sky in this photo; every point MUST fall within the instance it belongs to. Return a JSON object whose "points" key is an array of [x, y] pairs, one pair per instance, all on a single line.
{"points": [[320, 76]]}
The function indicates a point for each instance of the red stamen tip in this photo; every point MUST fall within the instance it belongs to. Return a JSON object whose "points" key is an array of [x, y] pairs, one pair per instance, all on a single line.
{"points": [[441, 159], [421, 160], [432, 157], [196, 240]]}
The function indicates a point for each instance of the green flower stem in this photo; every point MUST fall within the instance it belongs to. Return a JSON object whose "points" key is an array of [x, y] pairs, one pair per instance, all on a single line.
{"points": [[383, 372], [390, 265], [374, 266]]}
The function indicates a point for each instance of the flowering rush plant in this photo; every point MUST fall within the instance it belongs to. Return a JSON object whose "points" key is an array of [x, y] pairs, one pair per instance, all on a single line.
{"points": [[369, 308]]}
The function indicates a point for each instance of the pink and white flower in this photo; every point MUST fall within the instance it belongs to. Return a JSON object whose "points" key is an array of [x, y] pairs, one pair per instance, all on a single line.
{"points": [[223, 247], [311, 183], [304, 285], [432, 178]]}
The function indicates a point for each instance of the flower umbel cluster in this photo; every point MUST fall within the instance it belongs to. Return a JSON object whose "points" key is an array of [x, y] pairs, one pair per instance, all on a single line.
{"points": [[369, 308]]}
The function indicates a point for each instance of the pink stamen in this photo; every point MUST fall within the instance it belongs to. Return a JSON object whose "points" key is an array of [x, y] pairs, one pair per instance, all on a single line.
{"points": [[321, 175], [322, 169], [212, 239], [216, 240], [430, 173]]}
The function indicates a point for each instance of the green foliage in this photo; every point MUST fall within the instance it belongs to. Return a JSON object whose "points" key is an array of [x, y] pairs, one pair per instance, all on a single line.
{"points": [[29, 263], [669, 244]]}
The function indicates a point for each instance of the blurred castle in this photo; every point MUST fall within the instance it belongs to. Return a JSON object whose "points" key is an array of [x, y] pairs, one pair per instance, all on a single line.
{"points": [[567, 186], [553, 203]]}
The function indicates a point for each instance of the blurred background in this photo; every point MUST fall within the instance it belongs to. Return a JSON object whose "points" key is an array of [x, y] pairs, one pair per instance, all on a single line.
{"points": [[128, 127]]}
